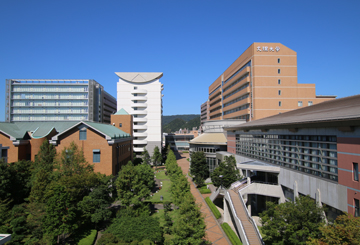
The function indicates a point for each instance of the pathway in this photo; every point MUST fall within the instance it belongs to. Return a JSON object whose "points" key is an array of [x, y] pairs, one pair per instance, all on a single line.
{"points": [[214, 232]]}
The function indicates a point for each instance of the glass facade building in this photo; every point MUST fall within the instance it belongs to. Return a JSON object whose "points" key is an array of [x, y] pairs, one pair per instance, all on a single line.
{"points": [[57, 100]]}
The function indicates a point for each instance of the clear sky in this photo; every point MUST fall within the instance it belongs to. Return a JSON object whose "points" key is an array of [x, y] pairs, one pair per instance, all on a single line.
{"points": [[191, 41]]}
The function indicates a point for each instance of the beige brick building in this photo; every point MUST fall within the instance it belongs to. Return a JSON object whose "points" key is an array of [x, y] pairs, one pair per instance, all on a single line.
{"points": [[262, 82]]}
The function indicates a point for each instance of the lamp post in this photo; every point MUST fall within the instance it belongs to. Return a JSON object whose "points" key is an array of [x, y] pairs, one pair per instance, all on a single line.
{"points": [[220, 176]]}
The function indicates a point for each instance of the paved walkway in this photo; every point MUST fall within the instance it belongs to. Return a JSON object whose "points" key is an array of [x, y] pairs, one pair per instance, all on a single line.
{"points": [[214, 232]]}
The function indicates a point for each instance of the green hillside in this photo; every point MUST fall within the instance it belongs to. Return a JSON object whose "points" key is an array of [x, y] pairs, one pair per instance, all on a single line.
{"points": [[185, 117], [178, 123]]}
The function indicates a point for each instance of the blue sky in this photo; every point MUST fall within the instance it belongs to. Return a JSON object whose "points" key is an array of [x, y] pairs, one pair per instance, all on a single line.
{"points": [[191, 42]]}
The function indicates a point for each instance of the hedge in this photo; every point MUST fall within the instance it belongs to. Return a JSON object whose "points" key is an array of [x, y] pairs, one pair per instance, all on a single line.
{"points": [[234, 239], [213, 208], [89, 240], [205, 191]]}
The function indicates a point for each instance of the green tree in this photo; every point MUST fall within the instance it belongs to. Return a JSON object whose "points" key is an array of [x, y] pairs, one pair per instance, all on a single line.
{"points": [[38, 189], [199, 167], [72, 161], [145, 157], [140, 228], [190, 227], [45, 158], [146, 174], [5, 181], [35, 215], [20, 180], [179, 187], [131, 186], [156, 156], [94, 207], [168, 222], [228, 170], [344, 231], [5, 214], [18, 224], [292, 222]]}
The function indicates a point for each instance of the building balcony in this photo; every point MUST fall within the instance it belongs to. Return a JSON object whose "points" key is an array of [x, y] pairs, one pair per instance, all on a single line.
{"points": [[138, 112], [138, 134], [139, 119], [138, 105], [138, 91], [138, 149], [138, 98], [140, 126], [140, 142]]}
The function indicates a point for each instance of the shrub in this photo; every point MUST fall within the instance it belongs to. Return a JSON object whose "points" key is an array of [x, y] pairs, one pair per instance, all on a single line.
{"points": [[234, 239], [205, 191], [89, 240], [213, 208]]}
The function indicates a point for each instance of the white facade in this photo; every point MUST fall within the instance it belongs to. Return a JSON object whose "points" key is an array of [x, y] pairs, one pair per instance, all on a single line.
{"points": [[139, 93]]}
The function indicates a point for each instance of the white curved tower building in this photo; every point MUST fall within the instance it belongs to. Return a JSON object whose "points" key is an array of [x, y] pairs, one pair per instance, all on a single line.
{"points": [[139, 93]]}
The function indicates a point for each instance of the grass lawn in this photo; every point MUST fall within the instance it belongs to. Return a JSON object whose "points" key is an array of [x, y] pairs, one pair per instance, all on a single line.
{"points": [[174, 214], [165, 192], [161, 175]]}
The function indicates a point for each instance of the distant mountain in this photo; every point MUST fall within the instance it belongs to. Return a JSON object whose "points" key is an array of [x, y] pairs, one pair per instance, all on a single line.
{"points": [[179, 122], [186, 117]]}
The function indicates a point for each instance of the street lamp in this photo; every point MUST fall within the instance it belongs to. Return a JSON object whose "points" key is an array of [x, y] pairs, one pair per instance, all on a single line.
{"points": [[220, 176]]}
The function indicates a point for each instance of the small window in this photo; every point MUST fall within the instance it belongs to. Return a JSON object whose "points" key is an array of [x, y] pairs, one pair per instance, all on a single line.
{"points": [[96, 155], [279, 103], [299, 103], [82, 134], [356, 214], [279, 81], [279, 71], [356, 171], [310, 103], [278, 60], [135, 88], [279, 92], [120, 125]]}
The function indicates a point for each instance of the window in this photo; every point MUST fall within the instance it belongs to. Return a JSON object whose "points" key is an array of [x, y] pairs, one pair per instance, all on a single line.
{"points": [[278, 60], [279, 71], [279, 103], [96, 155], [135, 88], [82, 134], [279, 81], [356, 208], [299, 103], [279, 92], [120, 125], [310, 103], [356, 171]]}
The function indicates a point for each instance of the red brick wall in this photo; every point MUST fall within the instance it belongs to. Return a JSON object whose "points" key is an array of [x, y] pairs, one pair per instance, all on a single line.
{"points": [[231, 142], [345, 165], [13, 151]]}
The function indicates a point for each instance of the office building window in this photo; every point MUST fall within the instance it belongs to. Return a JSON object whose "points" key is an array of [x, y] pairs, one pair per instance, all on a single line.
{"points": [[120, 125], [278, 60], [279, 71], [299, 103], [96, 155], [279, 103], [310, 103], [356, 171], [279, 92], [135, 88], [356, 208], [279, 81]]}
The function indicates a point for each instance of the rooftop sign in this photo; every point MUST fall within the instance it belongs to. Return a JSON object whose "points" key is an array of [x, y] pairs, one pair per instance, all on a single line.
{"points": [[267, 49]]}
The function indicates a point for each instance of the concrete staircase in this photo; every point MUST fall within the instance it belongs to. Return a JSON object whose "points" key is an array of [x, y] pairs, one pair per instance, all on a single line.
{"points": [[251, 232]]}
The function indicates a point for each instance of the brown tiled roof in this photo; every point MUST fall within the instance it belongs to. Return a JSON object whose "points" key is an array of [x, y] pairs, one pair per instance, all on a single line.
{"points": [[337, 112]]}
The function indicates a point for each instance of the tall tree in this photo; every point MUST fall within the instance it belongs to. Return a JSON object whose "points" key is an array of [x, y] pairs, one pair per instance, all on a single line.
{"points": [[131, 186], [146, 157], [190, 227], [292, 222], [199, 167], [228, 170], [20, 180], [156, 156], [344, 231], [72, 161]]}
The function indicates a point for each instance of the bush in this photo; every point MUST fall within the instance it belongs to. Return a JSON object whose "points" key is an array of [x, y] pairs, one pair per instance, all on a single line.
{"points": [[234, 239], [89, 240], [213, 208], [204, 191]]}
